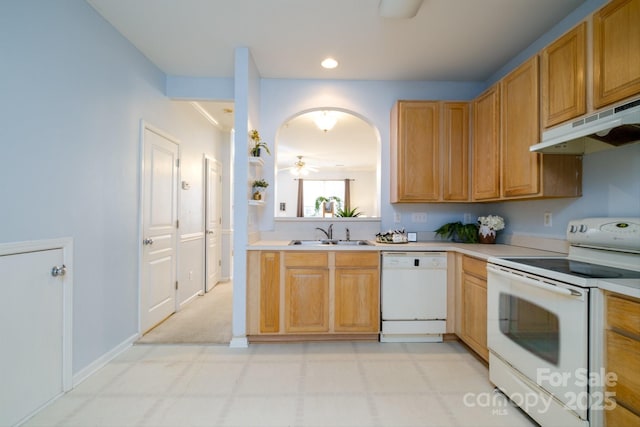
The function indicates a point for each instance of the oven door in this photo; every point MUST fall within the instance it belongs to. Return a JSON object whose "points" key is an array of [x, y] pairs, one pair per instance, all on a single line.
{"points": [[540, 327]]}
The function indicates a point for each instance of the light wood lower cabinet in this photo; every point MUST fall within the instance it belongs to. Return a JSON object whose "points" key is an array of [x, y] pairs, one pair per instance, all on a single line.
{"points": [[473, 305], [322, 294], [622, 350], [306, 301], [270, 292], [357, 292]]}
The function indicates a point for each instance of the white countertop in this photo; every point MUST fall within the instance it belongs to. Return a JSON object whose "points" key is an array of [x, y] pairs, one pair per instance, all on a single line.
{"points": [[629, 287], [473, 249]]}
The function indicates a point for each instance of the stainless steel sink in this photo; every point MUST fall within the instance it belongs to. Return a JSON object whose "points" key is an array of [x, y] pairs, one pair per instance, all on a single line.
{"points": [[310, 242], [352, 242], [329, 242]]}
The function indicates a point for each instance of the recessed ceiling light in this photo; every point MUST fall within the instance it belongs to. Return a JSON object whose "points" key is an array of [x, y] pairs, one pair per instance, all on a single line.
{"points": [[404, 9], [329, 63]]}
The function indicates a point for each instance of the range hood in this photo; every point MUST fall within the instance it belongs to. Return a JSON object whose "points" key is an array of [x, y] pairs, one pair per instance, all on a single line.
{"points": [[600, 131]]}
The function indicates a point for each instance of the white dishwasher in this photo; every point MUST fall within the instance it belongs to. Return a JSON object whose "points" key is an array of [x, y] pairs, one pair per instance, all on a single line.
{"points": [[413, 296]]}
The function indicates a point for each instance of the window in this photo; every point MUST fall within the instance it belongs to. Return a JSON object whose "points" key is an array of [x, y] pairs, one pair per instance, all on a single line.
{"points": [[312, 189]]}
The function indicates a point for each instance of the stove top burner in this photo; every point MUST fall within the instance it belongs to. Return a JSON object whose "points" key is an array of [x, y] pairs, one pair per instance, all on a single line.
{"points": [[578, 268]]}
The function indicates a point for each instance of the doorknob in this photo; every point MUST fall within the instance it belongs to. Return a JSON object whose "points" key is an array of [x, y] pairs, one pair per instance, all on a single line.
{"points": [[59, 271], [209, 231], [148, 241]]}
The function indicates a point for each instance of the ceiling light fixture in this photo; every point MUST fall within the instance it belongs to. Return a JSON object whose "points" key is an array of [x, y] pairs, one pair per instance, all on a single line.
{"points": [[299, 168], [325, 121], [404, 9], [329, 63]]}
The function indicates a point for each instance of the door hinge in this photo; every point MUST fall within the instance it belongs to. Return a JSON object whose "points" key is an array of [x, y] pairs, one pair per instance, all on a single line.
{"points": [[177, 223], [177, 163], [176, 285]]}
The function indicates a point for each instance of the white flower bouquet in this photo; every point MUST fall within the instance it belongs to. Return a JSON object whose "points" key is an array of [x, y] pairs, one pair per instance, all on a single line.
{"points": [[487, 227], [493, 222]]}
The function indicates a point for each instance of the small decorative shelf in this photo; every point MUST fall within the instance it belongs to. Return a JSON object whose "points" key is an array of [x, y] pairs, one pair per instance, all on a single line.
{"points": [[256, 161], [256, 202]]}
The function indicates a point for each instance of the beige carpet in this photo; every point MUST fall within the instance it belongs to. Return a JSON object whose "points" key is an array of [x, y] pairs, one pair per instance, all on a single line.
{"points": [[204, 320]]}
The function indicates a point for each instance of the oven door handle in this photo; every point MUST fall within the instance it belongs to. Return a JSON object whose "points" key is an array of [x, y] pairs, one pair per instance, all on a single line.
{"points": [[537, 283]]}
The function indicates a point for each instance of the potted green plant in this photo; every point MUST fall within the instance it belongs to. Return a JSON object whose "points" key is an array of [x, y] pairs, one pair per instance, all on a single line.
{"points": [[327, 203], [259, 186], [458, 232], [257, 144], [348, 213]]}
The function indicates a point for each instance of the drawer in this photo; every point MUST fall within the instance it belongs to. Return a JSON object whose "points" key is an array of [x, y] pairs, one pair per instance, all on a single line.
{"points": [[477, 267], [623, 314], [357, 259], [306, 259], [621, 417], [623, 360]]}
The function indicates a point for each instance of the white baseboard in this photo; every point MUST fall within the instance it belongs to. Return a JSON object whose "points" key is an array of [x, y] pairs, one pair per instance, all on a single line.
{"points": [[104, 359], [239, 342]]}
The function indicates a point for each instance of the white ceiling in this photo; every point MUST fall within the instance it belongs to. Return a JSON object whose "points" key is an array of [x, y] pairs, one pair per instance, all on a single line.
{"points": [[448, 40]]}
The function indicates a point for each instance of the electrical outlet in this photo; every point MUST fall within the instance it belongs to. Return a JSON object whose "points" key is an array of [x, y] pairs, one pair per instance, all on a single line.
{"points": [[397, 218], [467, 218], [420, 217], [548, 219]]}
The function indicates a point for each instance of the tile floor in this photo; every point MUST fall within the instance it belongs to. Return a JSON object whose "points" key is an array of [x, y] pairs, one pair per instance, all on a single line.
{"points": [[310, 384]]}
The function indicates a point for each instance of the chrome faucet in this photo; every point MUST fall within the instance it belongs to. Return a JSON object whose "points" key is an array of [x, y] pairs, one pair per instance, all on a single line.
{"points": [[328, 232]]}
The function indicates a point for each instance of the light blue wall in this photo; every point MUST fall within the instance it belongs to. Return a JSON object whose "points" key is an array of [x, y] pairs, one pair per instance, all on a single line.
{"points": [[610, 186], [73, 94], [371, 100]]}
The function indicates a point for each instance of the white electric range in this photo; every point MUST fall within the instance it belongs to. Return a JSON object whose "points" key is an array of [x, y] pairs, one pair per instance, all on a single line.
{"points": [[544, 328]]}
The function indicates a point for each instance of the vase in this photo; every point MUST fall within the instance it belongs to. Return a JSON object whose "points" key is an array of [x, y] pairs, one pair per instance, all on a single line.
{"points": [[257, 195], [486, 235]]}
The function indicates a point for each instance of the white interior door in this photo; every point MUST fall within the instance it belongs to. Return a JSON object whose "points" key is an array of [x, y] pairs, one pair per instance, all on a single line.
{"points": [[159, 228], [213, 215], [32, 333]]}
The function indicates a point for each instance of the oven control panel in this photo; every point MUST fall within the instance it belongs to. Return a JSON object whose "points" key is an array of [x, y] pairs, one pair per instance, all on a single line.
{"points": [[618, 233]]}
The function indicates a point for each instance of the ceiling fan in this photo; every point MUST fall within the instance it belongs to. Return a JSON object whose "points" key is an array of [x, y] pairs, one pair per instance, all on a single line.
{"points": [[300, 167]]}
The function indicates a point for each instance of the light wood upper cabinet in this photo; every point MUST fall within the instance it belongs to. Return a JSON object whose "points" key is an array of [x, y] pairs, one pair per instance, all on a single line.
{"points": [[455, 151], [429, 151], [485, 176], [616, 52], [357, 292], [415, 152], [520, 126], [562, 77]]}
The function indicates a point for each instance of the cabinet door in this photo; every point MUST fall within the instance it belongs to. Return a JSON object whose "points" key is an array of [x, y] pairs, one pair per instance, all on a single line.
{"points": [[562, 72], [486, 145], [306, 300], [520, 128], [455, 149], [357, 300], [269, 292], [415, 152], [616, 52], [474, 314]]}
